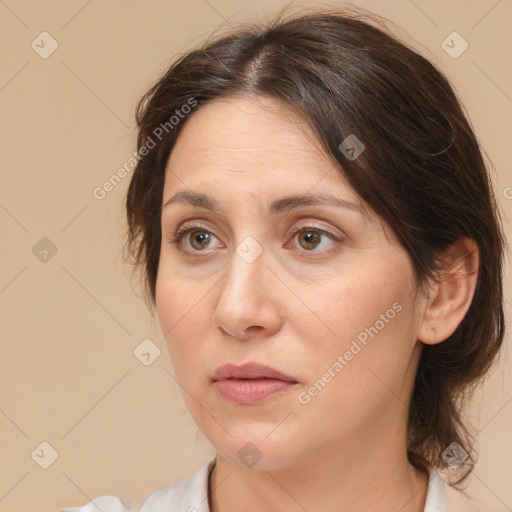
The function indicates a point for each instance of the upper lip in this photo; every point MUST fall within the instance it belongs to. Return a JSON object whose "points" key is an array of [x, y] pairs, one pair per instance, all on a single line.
{"points": [[249, 371]]}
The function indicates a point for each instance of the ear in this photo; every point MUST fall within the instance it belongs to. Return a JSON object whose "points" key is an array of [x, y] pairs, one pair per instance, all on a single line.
{"points": [[450, 298]]}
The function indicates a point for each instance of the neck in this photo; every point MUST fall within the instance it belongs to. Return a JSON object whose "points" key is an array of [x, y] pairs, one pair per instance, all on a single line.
{"points": [[369, 475]]}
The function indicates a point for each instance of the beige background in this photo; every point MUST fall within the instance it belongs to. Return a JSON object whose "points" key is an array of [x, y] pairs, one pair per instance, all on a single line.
{"points": [[71, 323]]}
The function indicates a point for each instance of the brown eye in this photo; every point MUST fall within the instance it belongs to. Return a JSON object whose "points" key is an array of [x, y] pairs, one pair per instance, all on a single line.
{"points": [[309, 239], [199, 239], [194, 238], [312, 239]]}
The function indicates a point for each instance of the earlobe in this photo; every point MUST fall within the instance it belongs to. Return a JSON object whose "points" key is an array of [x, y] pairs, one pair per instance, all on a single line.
{"points": [[451, 296]]}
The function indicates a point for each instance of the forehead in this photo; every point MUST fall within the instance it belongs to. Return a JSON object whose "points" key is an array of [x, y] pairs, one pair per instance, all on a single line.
{"points": [[253, 149], [248, 120], [251, 139]]}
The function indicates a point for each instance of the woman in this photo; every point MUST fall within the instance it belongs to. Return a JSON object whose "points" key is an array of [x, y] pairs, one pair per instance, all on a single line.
{"points": [[319, 237]]}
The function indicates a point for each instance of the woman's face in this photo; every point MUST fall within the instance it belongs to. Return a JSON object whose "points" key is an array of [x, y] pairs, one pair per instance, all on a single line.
{"points": [[319, 291]]}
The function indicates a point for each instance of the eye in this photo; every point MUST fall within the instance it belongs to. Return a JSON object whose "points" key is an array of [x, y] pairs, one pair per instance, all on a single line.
{"points": [[310, 238], [199, 240]]}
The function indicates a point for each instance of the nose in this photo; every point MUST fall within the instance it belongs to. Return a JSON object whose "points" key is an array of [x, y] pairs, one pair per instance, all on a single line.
{"points": [[249, 299]]}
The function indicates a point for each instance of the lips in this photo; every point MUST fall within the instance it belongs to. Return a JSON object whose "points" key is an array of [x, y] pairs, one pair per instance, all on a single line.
{"points": [[250, 371], [251, 383]]}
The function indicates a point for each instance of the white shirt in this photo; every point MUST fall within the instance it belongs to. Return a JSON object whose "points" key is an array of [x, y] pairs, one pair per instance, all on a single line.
{"points": [[192, 496]]}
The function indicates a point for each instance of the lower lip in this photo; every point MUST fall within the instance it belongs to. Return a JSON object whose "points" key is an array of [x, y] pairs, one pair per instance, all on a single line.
{"points": [[251, 391]]}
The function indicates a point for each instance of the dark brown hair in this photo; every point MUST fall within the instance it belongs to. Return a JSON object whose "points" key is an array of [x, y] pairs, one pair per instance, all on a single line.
{"points": [[422, 171]]}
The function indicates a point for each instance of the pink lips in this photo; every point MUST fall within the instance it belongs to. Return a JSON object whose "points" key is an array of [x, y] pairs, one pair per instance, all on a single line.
{"points": [[251, 383]]}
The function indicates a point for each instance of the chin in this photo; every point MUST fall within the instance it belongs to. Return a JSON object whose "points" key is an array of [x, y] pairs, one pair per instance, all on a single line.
{"points": [[258, 451]]}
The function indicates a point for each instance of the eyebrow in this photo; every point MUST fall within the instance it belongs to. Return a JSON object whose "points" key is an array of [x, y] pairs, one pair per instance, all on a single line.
{"points": [[286, 203]]}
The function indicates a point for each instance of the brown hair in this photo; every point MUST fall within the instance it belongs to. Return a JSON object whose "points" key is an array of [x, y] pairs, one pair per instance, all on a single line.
{"points": [[422, 171]]}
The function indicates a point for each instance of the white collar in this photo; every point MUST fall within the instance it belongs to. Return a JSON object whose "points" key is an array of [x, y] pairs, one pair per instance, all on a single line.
{"points": [[436, 494]]}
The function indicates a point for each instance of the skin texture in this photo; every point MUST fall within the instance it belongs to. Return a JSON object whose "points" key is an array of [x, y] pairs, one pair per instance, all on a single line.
{"points": [[297, 307]]}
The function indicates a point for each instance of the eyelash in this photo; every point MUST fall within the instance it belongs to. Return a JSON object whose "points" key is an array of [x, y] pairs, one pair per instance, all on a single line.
{"points": [[186, 229]]}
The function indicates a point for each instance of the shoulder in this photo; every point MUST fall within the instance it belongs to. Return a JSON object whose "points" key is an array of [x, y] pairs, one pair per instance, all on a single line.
{"points": [[191, 493]]}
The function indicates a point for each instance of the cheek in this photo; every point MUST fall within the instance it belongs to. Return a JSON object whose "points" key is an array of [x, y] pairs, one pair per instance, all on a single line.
{"points": [[178, 307], [357, 305], [371, 336]]}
